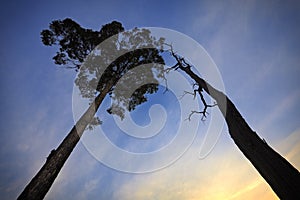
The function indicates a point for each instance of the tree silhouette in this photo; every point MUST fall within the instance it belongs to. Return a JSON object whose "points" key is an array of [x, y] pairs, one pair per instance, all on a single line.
{"points": [[96, 79], [283, 178], [101, 67]]}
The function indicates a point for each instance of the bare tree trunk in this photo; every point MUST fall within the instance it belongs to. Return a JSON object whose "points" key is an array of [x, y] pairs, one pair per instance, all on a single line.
{"points": [[283, 178], [42, 181]]}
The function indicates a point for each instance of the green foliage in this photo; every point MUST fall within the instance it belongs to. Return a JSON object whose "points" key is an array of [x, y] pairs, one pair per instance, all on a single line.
{"points": [[95, 122], [74, 41], [101, 65]]}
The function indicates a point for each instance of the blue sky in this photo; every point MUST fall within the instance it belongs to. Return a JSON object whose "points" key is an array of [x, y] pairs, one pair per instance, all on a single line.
{"points": [[255, 45]]}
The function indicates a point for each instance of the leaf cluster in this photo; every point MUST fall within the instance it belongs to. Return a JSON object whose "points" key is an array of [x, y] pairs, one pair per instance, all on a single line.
{"points": [[75, 42], [103, 57]]}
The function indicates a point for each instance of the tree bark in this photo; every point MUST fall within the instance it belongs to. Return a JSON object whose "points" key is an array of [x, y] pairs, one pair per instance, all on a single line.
{"points": [[40, 184], [283, 178]]}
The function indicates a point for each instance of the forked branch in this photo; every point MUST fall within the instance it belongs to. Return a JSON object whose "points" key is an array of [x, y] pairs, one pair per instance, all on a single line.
{"points": [[182, 64]]}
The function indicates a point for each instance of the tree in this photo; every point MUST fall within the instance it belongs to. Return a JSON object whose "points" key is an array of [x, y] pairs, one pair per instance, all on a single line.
{"points": [[283, 178], [96, 79], [98, 73]]}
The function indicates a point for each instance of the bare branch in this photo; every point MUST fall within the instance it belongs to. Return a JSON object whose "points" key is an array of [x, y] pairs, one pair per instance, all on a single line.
{"points": [[186, 92], [175, 67], [166, 82], [197, 112], [181, 64]]}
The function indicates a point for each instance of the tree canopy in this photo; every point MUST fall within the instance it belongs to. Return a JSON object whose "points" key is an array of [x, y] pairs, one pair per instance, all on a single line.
{"points": [[103, 57]]}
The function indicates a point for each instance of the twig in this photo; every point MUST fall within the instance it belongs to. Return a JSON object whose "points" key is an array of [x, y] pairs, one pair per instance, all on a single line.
{"points": [[181, 64], [186, 92], [196, 112]]}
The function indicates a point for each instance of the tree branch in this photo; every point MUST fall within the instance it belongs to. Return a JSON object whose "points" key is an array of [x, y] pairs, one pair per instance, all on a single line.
{"points": [[182, 64]]}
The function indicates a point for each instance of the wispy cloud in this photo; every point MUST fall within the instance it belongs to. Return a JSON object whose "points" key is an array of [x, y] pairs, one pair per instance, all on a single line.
{"points": [[75, 176], [282, 109], [219, 176]]}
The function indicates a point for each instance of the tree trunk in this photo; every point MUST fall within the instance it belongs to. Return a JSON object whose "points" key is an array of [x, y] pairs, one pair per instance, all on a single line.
{"points": [[41, 183], [283, 178]]}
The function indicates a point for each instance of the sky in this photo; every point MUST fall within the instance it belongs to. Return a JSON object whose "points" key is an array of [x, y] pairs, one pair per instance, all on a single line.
{"points": [[255, 46]]}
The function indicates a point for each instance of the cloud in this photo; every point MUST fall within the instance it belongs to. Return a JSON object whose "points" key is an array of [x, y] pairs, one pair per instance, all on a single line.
{"points": [[225, 174], [29, 132], [88, 188], [290, 148], [284, 105], [76, 176]]}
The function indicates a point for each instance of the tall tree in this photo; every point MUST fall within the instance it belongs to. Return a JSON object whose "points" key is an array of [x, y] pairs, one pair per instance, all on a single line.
{"points": [[283, 178], [98, 76], [96, 79]]}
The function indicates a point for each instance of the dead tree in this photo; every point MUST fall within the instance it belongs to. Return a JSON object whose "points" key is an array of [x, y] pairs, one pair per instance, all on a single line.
{"points": [[282, 177]]}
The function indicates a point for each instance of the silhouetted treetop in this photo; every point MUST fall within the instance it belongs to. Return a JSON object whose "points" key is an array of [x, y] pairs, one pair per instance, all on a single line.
{"points": [[103, 57], [76, 42]]}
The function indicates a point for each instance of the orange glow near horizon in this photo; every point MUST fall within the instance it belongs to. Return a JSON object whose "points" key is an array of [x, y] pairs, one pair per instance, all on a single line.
{"points": [[224, 175]]}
